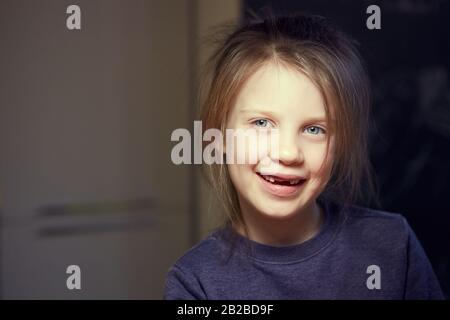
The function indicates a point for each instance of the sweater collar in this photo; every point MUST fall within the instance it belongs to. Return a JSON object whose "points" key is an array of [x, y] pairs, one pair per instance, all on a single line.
{"points": [[334, 218]]}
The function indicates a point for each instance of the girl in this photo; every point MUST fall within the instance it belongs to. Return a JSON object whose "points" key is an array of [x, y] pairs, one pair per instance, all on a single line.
{"points": [[293, 230]]}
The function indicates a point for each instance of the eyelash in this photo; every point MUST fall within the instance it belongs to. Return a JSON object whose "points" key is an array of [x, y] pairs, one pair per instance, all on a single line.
{"points": [[320, 128], [323, 130], [255, 121]]}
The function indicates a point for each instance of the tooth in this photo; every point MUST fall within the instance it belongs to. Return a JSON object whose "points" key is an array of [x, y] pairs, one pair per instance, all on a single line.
{"points": [[272, 179]]}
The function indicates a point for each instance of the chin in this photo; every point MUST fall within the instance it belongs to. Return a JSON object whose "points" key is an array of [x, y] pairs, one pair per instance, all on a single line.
{"points": [[278, 211]]}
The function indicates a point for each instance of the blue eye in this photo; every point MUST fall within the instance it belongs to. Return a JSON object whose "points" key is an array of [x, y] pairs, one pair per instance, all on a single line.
{"points": [[316, 132], [261, 122]]}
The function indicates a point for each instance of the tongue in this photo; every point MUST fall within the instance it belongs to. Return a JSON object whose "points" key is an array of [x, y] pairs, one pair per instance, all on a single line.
{"points": [[284, 183]]}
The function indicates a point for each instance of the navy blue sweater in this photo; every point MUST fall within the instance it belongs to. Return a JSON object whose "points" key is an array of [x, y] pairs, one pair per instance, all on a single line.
{"points": [[359, 253]]}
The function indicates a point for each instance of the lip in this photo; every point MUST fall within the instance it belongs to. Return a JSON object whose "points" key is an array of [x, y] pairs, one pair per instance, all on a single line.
{"points": [[282, 190], [283, 176]]}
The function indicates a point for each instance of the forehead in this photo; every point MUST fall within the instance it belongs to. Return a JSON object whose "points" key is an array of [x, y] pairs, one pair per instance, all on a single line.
{"points": [[280, 88]]}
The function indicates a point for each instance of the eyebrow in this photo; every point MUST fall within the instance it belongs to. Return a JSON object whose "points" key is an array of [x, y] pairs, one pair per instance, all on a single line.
{"points": [[316, 119], [265, 112]]}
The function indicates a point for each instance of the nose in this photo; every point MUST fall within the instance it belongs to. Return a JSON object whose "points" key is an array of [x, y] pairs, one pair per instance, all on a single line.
{"points": [[288, 148]]}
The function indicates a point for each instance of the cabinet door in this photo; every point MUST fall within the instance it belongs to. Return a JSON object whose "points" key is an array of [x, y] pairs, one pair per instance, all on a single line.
{"points": [[85, 172]]}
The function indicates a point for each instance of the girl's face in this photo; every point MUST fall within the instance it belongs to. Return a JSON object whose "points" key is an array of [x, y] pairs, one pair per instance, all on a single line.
{"points": [[280, 97]]}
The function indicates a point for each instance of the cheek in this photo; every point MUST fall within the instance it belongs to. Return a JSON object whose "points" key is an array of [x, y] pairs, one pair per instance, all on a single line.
{"points": [[251, 148], [315, 157], [240, 175]]}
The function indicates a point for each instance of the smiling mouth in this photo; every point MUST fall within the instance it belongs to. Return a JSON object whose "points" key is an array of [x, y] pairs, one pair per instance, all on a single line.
{"points": [[281, 181]]}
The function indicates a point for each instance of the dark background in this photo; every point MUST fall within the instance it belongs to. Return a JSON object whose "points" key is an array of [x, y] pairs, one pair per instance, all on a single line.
{"points": [[408, 63]]}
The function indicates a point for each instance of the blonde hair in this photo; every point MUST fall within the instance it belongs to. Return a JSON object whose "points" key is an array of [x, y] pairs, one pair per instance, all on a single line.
{"points": [[331, 61]]}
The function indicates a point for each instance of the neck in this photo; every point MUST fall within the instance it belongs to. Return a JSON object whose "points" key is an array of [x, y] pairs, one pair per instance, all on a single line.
{"points": [[296, 229]]}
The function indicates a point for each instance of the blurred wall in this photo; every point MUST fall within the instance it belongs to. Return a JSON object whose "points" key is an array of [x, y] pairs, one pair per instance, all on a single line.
{"points": [[85, 123]]}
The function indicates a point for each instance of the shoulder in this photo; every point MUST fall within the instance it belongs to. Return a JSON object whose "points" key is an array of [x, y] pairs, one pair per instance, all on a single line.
{"points": [[377, 229], [201, 255], [387, 240], [374, 221], [184, 277]]}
